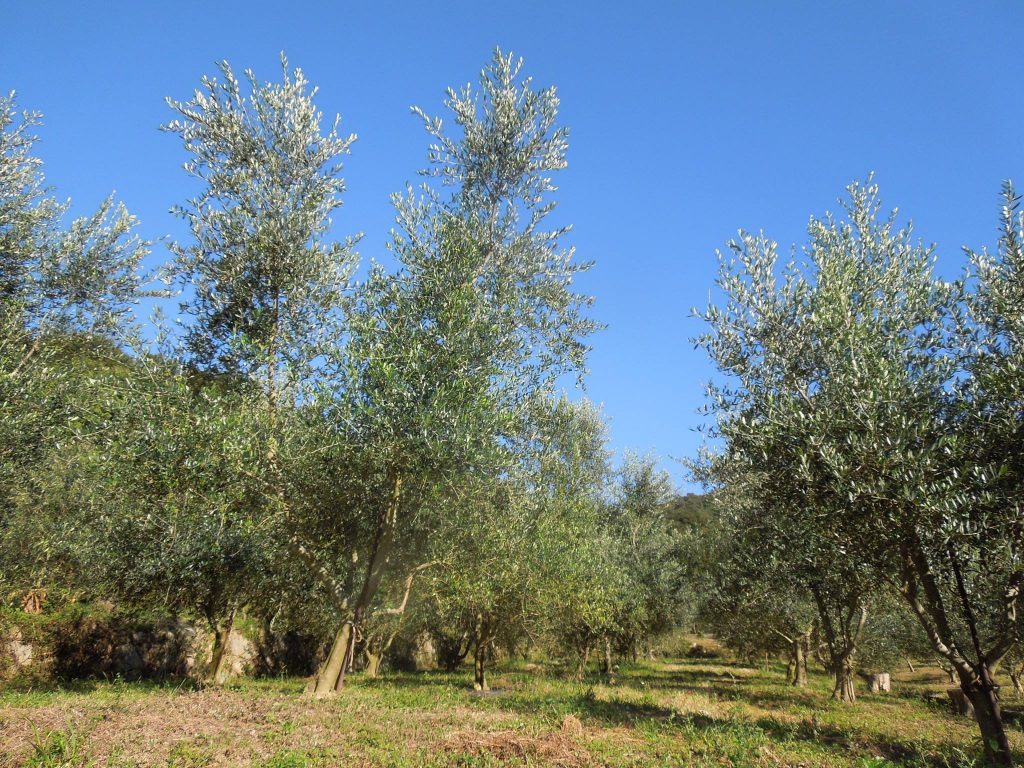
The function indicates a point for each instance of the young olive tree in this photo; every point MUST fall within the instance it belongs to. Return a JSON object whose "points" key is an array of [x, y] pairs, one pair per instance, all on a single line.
{"points": [[489, 575], [648, 552], [748, 609], [263, 281], [569, 472], [447, 356]]}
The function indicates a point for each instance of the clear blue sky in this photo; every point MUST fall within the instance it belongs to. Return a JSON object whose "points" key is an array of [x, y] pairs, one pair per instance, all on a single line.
{"points": [[689, 120]]}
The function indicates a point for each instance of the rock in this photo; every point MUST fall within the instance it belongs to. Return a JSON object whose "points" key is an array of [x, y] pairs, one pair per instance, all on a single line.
{"points": [[698, 651], [22, 654], [241, 653], [191, 643], [127, 661], [424, 654]]}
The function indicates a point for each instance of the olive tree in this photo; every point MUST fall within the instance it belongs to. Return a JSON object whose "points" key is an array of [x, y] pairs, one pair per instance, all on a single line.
{"points": [[488, 577], [780, 512], [648, 552], [582, 586], [67, 291], [263, 280], [745, 598], [772, 558], [58, 277], [861, 378], [447, 357]]}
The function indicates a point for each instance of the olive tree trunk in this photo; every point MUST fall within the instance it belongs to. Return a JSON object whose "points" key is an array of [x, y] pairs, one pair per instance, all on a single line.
{"points": [[584, 659], [842, 634], [607, 660], [798, 654], [331, 676], [922, 592], [220, 662], [1015, 678], [799, 646], [844, 690], [373, 663], [483, 641]]}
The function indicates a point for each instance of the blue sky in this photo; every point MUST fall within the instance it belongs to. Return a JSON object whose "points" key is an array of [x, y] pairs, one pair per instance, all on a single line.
{"points": [[688, 121]]}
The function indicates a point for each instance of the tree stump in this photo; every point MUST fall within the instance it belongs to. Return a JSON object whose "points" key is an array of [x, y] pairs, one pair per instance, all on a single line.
{"points": [[33, 602], [880, 682], [961, 704]]}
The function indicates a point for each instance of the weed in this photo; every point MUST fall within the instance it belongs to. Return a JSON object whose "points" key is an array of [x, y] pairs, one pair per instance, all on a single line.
{"points": [[56, 749]]}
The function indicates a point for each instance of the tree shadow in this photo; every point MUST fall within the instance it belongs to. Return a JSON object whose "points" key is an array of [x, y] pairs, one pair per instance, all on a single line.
{"points": [[427, 679], [843, 741], [589, 709], [85, 686]]}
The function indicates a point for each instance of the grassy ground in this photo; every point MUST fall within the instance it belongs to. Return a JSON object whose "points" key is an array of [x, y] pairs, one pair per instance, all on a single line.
{"points": [[700, 713]]}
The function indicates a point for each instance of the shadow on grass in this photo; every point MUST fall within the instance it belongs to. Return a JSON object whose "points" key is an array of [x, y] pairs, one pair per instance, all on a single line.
{"points": [[758, 688], [587, 707], [429, 679], [89, 685], [876, 745], [724, 686], [755, 689], [617, 714]]}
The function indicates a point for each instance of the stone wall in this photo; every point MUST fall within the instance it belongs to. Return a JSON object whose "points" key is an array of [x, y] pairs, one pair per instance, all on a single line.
{"points": [[97, 646]]}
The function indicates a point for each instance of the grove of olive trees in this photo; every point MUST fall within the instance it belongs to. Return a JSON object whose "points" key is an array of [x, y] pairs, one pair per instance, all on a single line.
{"points": [[383, 461], [341, 457]]}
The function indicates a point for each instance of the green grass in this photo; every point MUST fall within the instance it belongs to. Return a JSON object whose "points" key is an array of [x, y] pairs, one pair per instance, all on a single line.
{"points": [[56, 749], [685, 713]]}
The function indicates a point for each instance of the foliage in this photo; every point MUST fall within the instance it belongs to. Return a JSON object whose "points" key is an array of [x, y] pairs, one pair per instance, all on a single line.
{"points": [[266, 282], [447, 358], [647, 551], [66, 297], [855, 401]]}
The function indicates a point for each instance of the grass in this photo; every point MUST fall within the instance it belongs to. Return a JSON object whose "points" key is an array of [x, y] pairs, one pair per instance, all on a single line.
{"points": [[681, 713]]}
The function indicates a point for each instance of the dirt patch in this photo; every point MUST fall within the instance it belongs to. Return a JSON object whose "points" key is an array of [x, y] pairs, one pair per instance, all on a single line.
{"points": [[552, 748], [221, 726]]}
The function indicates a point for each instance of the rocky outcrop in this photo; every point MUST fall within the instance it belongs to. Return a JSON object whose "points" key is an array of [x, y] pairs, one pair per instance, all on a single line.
{"points": [[20, 653], [102, 644], [112, 648], [287, 653]]}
